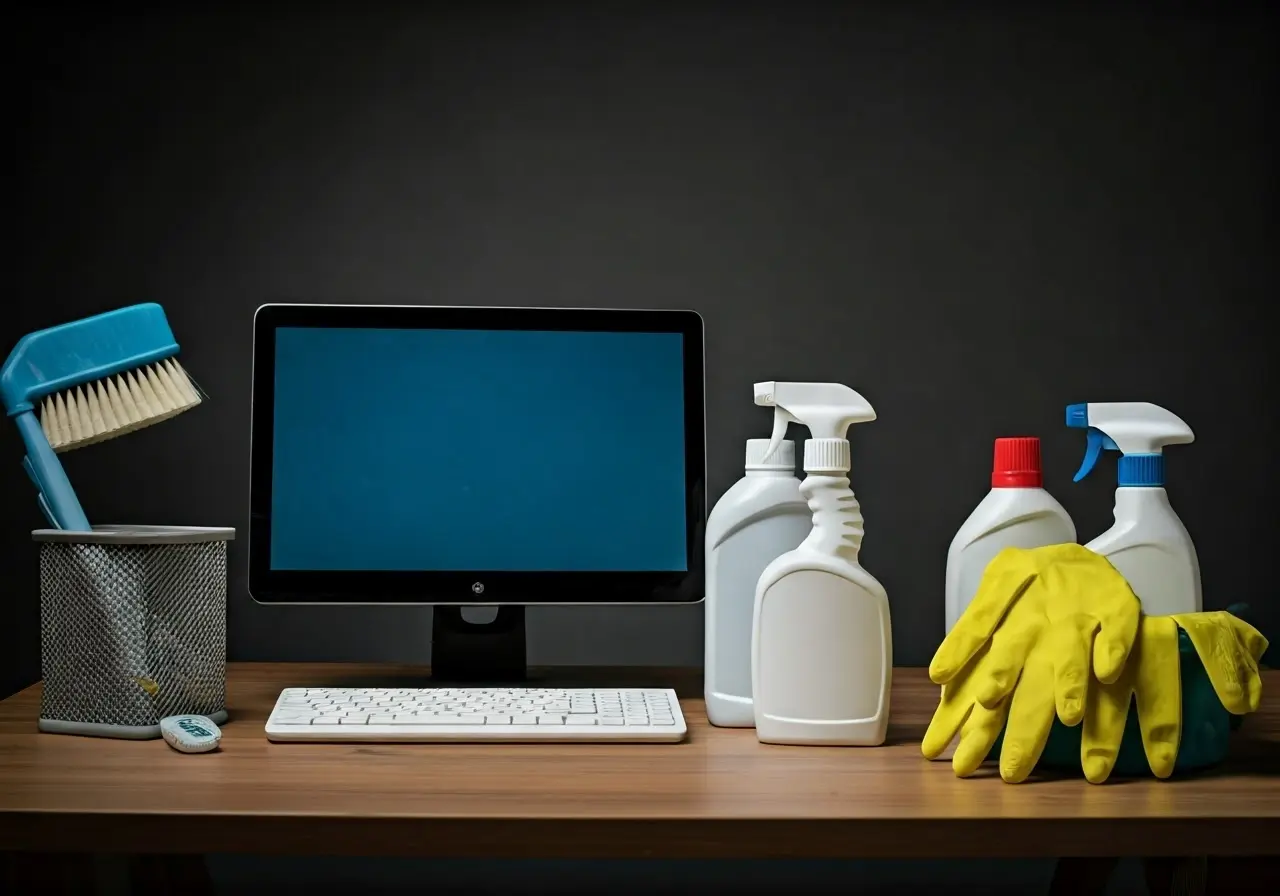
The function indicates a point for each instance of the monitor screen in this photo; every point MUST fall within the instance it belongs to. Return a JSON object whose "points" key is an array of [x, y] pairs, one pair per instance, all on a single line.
{"points": [[444, 455], [511, 450]]}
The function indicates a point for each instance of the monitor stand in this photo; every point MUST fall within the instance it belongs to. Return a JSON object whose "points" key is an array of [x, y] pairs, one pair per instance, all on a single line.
{"points": [[478, 653]]}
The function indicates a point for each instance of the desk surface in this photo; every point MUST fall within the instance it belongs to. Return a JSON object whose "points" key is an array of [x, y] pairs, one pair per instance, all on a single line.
{"points": [[719, 794]]}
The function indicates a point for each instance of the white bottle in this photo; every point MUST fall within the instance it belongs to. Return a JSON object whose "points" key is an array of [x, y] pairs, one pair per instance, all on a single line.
{"points": [[1016, 513], [1147, 544], [821, 644], [761, 516]]}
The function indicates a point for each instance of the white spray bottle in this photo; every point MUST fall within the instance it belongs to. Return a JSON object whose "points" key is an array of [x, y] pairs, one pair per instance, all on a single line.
{"points": [[821, 643], [1148, 543]]}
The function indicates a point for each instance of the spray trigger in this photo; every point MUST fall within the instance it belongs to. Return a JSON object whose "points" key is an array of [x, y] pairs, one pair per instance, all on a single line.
{"points": [[781, 417], [1097, 442]]}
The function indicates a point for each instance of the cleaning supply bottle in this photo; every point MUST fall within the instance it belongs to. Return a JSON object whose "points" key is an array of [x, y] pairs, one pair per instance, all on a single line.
{"points": [[1148, 543], [761, 516], [1016, 513], [821, 645]]}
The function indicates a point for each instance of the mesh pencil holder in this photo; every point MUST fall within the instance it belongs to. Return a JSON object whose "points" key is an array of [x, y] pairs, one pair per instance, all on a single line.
{"points": [[133, 628]]}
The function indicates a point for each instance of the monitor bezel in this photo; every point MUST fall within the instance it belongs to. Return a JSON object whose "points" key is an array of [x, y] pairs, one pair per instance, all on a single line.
{"points": [[471, 587]]}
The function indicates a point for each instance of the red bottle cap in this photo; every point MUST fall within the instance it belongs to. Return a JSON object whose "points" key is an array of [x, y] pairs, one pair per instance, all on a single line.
{"points": [[1017, 463]]}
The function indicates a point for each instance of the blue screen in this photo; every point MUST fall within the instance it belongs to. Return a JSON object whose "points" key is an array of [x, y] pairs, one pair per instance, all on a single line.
{"points": [[478, 451]]}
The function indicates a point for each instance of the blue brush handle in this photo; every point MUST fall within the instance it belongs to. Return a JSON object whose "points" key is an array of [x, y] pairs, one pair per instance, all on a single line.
{"points": [[40, 501], [48, 514], [80, 352], [58, 499]]}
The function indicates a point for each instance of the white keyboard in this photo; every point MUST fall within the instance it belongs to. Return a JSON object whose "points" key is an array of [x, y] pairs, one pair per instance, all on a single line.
{"points": [[429, 715]]}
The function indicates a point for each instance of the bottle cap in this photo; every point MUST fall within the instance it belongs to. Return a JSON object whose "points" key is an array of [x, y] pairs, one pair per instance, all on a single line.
{"points": [[1017, 463], [783, 459], [826, 456], [1141, 471]]}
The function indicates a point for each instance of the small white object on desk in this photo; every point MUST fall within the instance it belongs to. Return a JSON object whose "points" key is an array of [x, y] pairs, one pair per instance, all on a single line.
{"points": [[190, 734]]}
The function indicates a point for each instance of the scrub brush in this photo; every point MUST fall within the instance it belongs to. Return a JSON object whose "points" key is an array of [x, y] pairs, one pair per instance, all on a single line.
{"points": [[93, 379], [115, 405]]}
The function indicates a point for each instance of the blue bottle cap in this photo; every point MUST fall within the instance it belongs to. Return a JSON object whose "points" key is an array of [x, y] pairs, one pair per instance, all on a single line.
{"points": [[1140, 471]]}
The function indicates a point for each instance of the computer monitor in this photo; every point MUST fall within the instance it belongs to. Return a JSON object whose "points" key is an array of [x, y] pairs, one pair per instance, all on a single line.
{"points": [[464, 456]]}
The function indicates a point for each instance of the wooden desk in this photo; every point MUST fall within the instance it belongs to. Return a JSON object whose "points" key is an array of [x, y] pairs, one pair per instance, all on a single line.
{"points": [[720, 794]]}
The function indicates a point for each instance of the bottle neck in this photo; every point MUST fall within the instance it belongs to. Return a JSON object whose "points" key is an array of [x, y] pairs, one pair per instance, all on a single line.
{"points": [[837, 518], [771, 474], [1132, 499], [1016, 479]]}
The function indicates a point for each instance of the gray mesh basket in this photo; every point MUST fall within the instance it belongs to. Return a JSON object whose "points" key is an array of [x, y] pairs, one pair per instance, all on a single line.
{"points": [[133, 628]]}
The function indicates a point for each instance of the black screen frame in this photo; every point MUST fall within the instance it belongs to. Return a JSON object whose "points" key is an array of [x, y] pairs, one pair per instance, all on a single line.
{"points": [[472, 587]]}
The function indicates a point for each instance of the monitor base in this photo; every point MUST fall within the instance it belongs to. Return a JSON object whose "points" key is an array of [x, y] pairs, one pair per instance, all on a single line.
{"points": [[478, 653]]}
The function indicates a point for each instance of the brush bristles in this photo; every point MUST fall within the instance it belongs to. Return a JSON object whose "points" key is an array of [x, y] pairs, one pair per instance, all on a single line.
{"points": [[116, 405]]}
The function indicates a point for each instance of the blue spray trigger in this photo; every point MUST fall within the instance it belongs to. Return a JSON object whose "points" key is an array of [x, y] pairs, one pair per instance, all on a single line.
{"points": [[1098, 441]]}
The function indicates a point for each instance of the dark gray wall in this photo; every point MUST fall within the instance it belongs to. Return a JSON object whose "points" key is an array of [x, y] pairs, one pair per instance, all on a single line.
{"points": [[972, 216]]}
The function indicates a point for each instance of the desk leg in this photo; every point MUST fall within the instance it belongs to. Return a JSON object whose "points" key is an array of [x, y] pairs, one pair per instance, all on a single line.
{"points": [[53, 873], [162, 875]]}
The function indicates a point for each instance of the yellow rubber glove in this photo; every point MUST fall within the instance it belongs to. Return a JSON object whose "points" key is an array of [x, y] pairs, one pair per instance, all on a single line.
{"points": [[1229, 650], [959, 710], [1041, 620], [1153, 677]]}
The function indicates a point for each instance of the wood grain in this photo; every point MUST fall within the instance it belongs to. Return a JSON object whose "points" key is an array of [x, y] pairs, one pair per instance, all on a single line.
{"points": [[720, 794]]}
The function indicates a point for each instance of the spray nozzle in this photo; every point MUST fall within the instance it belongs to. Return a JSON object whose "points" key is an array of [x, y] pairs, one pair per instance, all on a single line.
{"points": [[827, 409], [1137, 429]]}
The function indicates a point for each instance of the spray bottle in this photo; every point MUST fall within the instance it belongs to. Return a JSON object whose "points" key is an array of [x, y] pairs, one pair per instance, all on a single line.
{"points": [[1148, 543], [821, 644]]}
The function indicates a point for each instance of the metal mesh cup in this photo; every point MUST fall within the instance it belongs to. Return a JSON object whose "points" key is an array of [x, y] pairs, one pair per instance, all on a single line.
{"points": [[133, 628]]}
